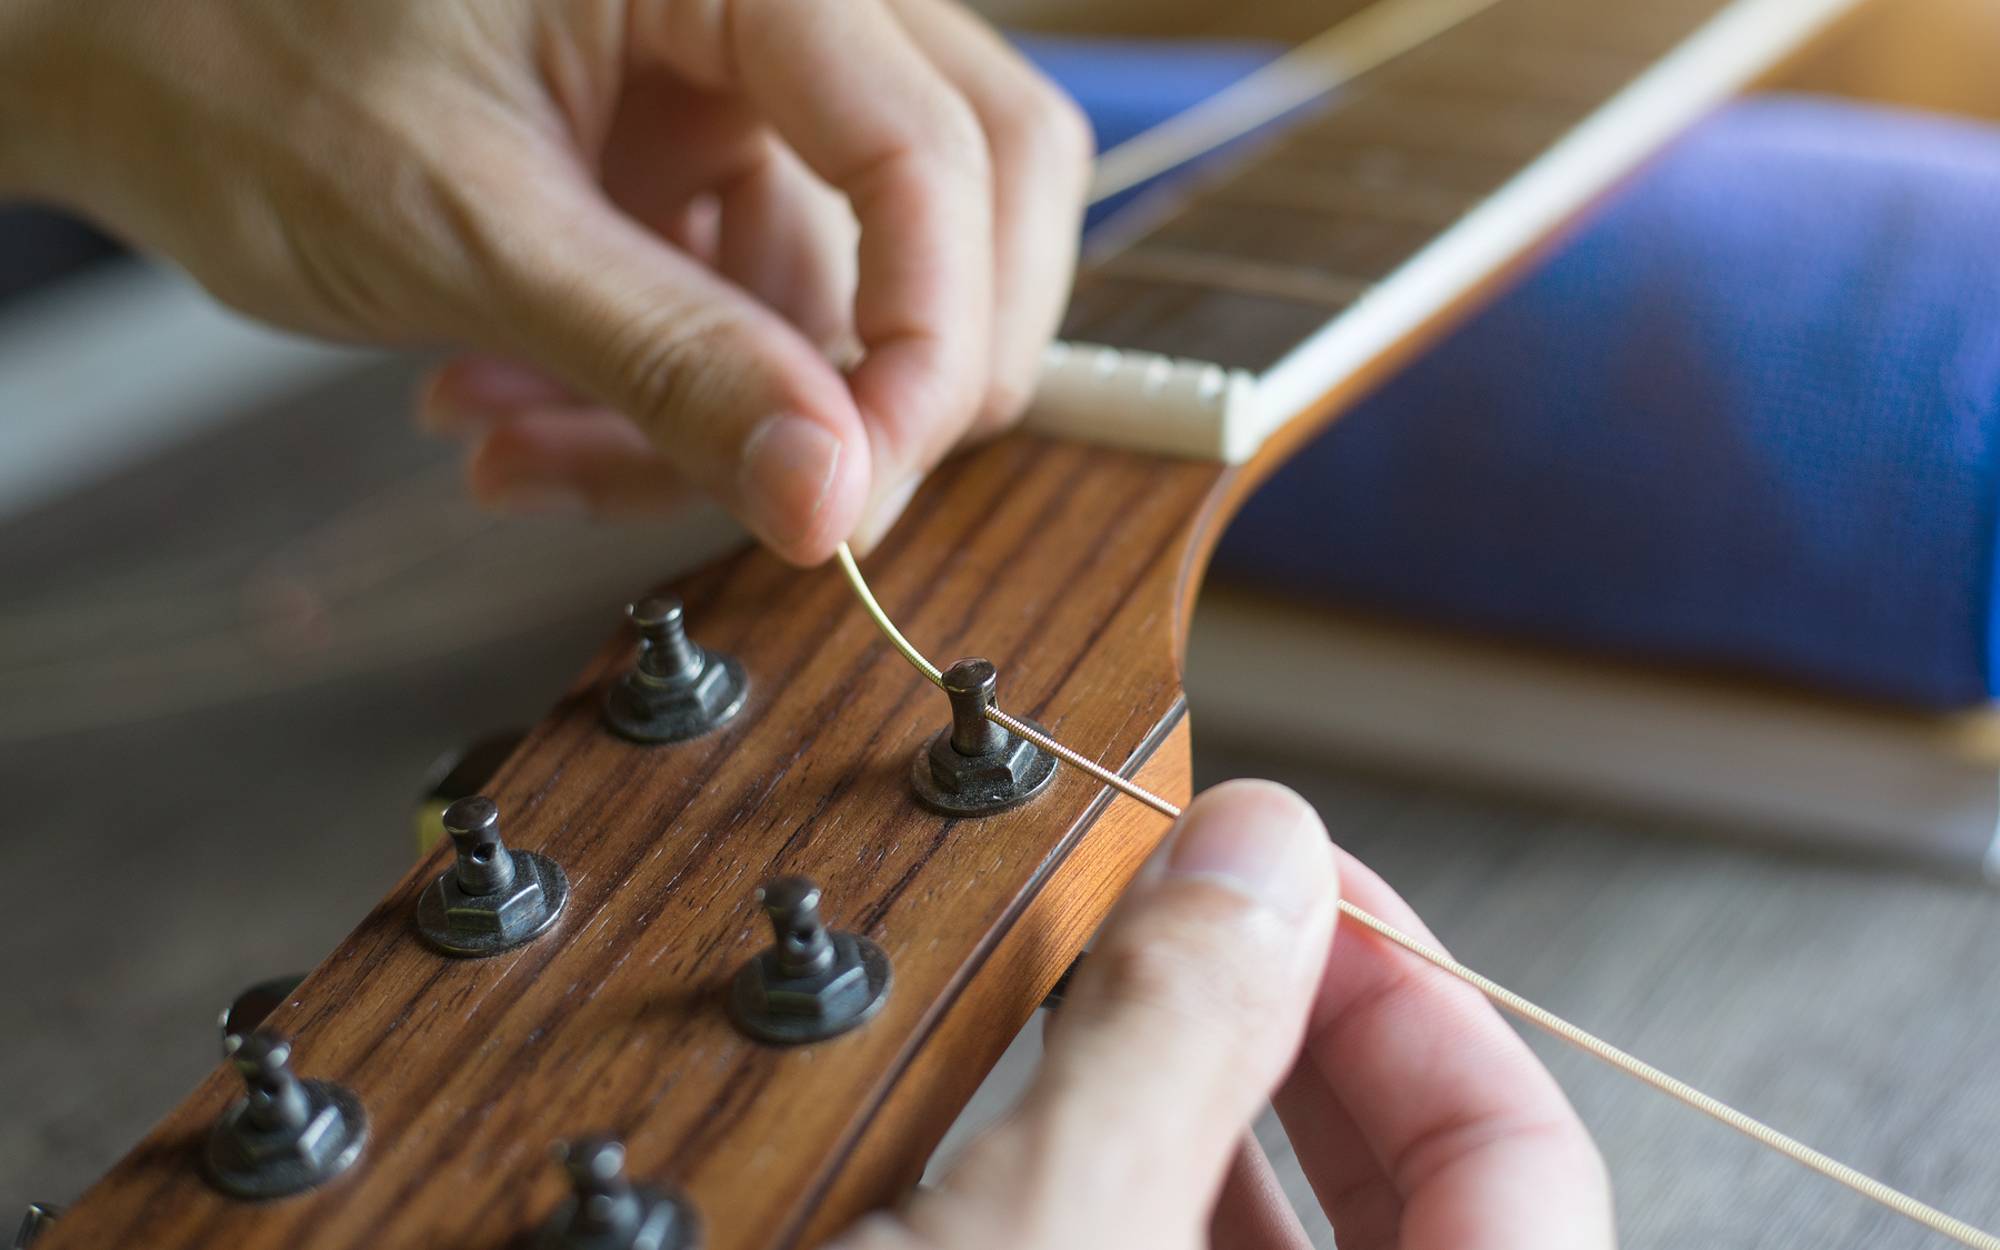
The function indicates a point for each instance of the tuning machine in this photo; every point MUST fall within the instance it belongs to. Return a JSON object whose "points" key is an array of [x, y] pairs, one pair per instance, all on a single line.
{"points": [[493, 898], [284, 1135], [973, 767], [810, 983], [675, 690], [606, 1211]]}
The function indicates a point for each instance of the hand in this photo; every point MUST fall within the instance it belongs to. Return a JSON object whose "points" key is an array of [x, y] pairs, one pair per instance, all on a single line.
{"points": [[1421, 1119], [660, 223]]}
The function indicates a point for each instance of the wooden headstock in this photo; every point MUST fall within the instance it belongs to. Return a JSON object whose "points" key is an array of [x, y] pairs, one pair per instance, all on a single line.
{"points": [[615, 1020], [1070, 567]]}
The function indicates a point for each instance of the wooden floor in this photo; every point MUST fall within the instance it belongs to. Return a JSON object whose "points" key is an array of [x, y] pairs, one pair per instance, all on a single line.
{"points": [[223, 679]]}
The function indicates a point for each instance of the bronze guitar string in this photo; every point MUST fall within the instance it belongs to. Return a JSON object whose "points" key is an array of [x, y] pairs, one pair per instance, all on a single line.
{"points": [[1375, 35], [1589, 1043]]}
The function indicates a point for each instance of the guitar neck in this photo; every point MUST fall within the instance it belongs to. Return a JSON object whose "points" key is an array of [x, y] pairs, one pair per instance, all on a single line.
{"points": [[1302, 269], [1388, 208]]}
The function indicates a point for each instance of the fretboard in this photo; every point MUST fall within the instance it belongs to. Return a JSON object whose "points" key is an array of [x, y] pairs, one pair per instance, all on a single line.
{"points": [[1367, 221]]}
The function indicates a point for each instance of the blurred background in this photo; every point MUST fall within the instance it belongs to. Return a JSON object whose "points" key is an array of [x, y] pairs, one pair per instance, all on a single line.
{"points": [[248, 619]]}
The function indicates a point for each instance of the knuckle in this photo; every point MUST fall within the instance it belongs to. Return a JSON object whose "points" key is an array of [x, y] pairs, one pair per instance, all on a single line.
{"points": [[1161, 978], [956, 133], [1206, 959], [1041, 128], [671, 366]]}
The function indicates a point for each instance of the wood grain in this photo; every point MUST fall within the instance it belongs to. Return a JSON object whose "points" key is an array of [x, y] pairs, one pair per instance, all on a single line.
{"points": [[472, 1069], [1072, 568]]}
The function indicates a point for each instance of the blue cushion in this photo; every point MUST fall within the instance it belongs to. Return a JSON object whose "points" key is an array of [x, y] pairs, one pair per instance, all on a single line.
{"points": [[1746, 418], [1128, 85]]}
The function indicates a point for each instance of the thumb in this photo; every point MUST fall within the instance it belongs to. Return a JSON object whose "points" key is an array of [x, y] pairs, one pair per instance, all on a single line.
{"points": [[1188, 1012], [727, 390]]}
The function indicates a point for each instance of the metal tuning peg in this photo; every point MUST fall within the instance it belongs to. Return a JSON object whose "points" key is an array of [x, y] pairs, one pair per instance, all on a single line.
{"points": [[247, 1010], [492, 898], [973, 767], [676, 690], [809, 984], [606, 1211], [40, 1218], [284, 1135]]}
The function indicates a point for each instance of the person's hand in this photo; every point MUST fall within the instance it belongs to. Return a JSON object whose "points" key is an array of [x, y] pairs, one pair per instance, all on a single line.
{"points": [[666, 226], [1422, 1121]]}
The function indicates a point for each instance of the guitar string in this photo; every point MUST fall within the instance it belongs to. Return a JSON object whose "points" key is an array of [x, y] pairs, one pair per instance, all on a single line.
{"points": [[1589, 1043], [1372, 37]]}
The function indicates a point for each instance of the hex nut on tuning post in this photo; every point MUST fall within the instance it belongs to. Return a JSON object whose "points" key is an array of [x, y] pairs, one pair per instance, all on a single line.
{"points": [[493, 898], [676, 690], [810, 984], [285, 1135], [973, 767], [606, 1211]]}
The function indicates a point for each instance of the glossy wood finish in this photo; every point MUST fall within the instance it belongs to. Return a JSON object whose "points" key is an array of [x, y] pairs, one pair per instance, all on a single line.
{"points": [[1070, 567], [613, 1022]]}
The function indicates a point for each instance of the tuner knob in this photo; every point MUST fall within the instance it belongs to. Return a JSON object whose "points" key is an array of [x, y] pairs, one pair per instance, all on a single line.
{"points": [[809, 984], [606, 1211], [284, 1135], [493, 898], [973, 767], [675, 691]]}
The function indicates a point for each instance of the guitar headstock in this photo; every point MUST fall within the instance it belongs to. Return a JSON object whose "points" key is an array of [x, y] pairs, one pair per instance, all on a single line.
{"points": [[624, 985]]}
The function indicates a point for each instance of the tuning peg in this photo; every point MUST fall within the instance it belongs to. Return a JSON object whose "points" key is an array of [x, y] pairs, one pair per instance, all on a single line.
{"points": [[606, 1211], [493, 898], [676, 690], [39, 1219], [284, 1135], [809, 984], [973, 767], [247, 1010]]}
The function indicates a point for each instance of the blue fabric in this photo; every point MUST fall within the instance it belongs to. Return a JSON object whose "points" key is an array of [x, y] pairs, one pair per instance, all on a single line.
{"points": [[1746, 418], [1127, 85]]}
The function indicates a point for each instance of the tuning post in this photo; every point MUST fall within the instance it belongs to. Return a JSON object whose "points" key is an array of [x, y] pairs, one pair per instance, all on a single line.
{"points": [[40, 1218], [810, 983], [606, 1211], [284, 1135], [493, 898], [675, 690], [973, 767]]}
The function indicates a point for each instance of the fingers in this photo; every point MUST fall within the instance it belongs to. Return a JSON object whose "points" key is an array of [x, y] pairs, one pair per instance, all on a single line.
{"points": [[846, 87], [1186, 1014], [465, 395], [1040, 148], [578, 461], [787, 238], [1413, 1093], [1252, 1212], [742, 404]]}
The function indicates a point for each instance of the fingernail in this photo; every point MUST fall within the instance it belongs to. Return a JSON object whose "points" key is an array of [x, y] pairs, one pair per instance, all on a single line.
{"points": [[788, 467], [538, 499], [882, 516], [1263, 842]]}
